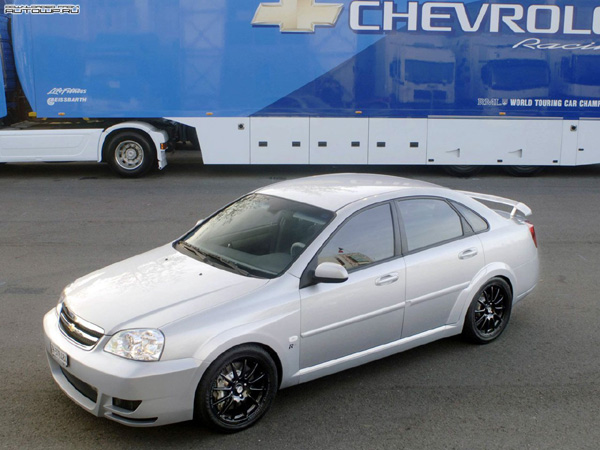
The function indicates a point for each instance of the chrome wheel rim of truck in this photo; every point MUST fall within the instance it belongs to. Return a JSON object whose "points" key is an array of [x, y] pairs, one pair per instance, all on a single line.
{"points": [[129, 155]]}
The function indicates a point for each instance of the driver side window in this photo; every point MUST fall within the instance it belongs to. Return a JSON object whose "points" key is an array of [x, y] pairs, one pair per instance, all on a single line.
{"points": [[364, 239]]}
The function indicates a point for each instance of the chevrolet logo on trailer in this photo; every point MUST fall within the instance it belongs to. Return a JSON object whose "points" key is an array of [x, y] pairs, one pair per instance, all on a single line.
{"points": [[297, 16]]}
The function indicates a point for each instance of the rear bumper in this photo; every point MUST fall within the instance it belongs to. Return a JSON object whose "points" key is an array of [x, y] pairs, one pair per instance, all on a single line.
{"points": [[527, 276], [166, 389]]}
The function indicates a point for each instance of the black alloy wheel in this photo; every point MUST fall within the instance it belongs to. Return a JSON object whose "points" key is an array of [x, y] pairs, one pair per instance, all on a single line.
{"points": [[237, 389], [489, 312]]}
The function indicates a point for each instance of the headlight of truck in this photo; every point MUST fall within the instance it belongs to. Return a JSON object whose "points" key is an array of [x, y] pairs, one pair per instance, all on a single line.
{"points": [[140, 345]]}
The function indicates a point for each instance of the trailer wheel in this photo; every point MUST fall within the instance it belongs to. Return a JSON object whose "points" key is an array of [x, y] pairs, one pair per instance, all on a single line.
{"points": [[129, 153], [463, 171], [523, 171]]}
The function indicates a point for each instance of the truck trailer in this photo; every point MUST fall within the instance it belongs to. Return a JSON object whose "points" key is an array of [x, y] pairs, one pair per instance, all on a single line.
{"points": [[460, 84]]}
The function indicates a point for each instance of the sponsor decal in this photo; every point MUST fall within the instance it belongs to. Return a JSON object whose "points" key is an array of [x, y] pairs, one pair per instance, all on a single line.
{"points": [[297, 16], [539, 102], [61, 91], [41, 9], [384, 16], [449, 17], [538, 44], [66, 95]]}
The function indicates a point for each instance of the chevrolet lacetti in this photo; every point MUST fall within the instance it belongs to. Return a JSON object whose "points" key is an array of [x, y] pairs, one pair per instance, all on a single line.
{"points": [[289, 283]]}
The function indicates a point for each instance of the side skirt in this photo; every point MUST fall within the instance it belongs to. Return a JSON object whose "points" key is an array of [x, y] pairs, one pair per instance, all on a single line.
{"points": [[372, 354]]}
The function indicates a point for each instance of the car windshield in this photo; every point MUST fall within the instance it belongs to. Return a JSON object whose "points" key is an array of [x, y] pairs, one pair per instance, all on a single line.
{"points": [[258, 235]]}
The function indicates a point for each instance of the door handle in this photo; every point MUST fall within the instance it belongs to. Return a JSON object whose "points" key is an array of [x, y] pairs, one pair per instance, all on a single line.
{"points": [[469, 253], [387, 279]]}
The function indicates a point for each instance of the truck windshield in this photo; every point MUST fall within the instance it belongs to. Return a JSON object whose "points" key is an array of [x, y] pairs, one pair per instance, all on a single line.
{"points": [[516, 74], [259, 235], [429, 72], [583, 70]]}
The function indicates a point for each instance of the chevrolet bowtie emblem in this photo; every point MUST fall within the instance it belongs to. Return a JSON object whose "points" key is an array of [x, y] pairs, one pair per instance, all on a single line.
{"points": [[300, 16]]}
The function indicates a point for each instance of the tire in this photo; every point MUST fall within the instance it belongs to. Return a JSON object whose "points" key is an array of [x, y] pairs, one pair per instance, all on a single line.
{"points": [[523, 171], [130, 154], [463, 171], [237, 389], [489, 312]]}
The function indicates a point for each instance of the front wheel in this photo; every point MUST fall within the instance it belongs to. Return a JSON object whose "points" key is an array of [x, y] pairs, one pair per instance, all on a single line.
{"points": [[129, 153], [489, 312], [237, 389]]}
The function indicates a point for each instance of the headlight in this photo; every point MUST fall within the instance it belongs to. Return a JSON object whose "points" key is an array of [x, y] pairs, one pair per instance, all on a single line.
{"points": [[61, 300], [140, 345]]}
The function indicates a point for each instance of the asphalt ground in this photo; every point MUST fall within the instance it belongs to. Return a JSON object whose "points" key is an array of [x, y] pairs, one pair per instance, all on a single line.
{"points": [[537, 387]]}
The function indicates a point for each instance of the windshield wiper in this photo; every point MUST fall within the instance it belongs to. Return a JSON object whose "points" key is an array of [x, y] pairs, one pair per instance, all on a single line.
{"points": [[205, 255], [191, 248], [228, 263]]}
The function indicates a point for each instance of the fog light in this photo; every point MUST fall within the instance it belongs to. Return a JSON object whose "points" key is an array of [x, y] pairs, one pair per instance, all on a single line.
{"points": [[129, 405]]}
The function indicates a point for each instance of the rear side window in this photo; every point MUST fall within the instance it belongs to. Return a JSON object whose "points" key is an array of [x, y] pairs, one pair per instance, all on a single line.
{"points": [[364, 239], [474, 219], [428, 221]]}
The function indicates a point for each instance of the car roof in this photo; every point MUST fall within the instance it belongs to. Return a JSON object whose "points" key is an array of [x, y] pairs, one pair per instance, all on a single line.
{"points": [[333, 192]]}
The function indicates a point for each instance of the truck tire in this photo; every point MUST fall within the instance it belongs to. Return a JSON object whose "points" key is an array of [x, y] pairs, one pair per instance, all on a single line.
{"points": [[463, 171], [129, 153], [523, 171]]}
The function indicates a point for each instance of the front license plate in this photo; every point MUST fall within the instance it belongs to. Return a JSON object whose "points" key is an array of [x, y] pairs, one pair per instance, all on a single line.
{"points": [[61, 357]]}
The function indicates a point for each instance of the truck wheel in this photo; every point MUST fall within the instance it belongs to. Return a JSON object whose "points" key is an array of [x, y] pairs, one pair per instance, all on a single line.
{"points": [[129, 153], [463, 171], [523, 171]]}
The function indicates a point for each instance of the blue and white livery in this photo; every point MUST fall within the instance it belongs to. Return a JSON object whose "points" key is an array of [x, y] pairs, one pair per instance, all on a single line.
{"points": [[514, 83]]}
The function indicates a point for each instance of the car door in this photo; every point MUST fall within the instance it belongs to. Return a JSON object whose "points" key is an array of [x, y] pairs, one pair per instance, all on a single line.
{"points": [[442, 256], [367, 309]]}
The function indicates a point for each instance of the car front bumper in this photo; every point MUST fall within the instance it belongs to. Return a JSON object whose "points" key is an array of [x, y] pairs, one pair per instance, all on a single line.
{"points": [[94, 378]]}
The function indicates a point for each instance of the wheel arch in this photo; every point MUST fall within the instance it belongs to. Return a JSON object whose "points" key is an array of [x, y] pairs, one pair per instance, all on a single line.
{"points": [[273, 354], [154, 135], [494, 270], [221, 349], [204, 410], [510, 284], [214, 348]]}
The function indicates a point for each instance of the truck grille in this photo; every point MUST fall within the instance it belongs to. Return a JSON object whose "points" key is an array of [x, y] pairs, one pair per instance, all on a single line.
{"points": [[81, 332]]}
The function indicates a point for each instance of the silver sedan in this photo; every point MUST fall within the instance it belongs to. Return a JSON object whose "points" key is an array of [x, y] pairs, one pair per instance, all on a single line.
{"points": [[289, 283]]}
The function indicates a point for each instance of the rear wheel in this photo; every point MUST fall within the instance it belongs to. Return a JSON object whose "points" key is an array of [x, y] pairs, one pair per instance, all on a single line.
{"points": [[129, 153], [463, 171], [237, 389], [489, 312], [522, 171]]}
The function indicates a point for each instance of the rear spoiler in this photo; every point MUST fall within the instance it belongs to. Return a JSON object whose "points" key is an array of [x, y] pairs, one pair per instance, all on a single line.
{"points": [[516, 206]]}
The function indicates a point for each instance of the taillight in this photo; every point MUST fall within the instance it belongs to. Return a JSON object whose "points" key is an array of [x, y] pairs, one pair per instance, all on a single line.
{"points": [[532, 231]]}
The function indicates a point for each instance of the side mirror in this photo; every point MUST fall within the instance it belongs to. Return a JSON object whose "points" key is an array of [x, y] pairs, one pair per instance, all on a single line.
{"points": [[329, 272], [199, 222]]}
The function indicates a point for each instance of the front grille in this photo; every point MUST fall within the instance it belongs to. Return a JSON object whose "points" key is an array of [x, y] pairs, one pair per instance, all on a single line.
{"points": [[79, 331], [85, 389], [431, 95]]}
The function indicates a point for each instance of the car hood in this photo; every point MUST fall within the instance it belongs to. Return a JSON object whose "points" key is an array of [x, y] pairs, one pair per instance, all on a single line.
{"points": [[153, 289]]}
